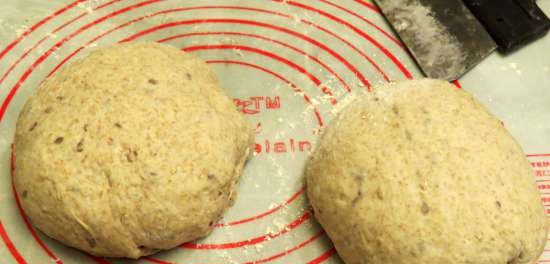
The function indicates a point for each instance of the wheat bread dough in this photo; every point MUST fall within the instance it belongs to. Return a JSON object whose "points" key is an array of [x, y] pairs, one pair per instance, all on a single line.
{"points": [[133, 149], [421, 172]]}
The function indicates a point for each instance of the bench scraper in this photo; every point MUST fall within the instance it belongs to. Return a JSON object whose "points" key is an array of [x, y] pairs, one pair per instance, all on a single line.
{"points": [[449, 37]]}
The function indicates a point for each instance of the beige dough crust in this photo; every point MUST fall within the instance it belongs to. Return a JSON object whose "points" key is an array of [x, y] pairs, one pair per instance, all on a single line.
{"points": [[133, 149], [420, 172]]}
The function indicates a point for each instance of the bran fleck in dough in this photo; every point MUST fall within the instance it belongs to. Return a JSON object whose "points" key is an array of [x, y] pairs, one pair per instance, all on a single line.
{"points": [[420, 172], [131, 150]]}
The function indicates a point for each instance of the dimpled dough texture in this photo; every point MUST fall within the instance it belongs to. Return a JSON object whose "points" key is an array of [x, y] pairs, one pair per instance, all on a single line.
{"points": [[132, 149], [421, 172]]}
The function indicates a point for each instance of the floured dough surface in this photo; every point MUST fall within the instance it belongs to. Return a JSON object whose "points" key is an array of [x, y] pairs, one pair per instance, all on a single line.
{"points": [[421, 172], [133, 149]]}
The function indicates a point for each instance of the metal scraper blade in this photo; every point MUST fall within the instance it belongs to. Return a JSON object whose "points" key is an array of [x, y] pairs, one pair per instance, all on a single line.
{"points": [[443, 36]]}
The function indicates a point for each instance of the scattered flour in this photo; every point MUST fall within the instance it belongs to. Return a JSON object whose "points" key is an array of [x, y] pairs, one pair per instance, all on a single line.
{"points": [[428, 36], [343, 103]]}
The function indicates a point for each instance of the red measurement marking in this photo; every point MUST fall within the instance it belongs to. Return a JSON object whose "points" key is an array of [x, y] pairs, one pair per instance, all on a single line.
{"points": [[106, 4], [36, 45], [323, 257], [70, 21], [259, 24], [192, 8], [369, 5], [11, 247], [97, 260], [41, 59], [310, 57], [396, 41], [259, 51], [47, 36], [36, 26], [457, 84], [251, 241], [288, 251], [21, 58], [290, 145], [278, 76], [262, 215], [154, 260], [268, 54], [255, 104], [349, 44], [358, 31], [540, 164]]}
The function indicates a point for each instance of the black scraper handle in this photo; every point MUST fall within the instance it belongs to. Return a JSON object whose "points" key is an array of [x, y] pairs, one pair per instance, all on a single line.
{"points": [[511, 23]]}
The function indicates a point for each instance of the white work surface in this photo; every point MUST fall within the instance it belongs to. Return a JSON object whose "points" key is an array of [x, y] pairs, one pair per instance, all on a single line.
{"points": [[289, 64]]}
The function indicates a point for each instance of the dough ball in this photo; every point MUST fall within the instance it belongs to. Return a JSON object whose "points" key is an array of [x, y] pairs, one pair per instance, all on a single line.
{"points": [[133, 149], [421, 172]]}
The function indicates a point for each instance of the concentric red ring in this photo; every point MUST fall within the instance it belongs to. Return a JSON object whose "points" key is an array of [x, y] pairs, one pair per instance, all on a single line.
{"points": [[57, 29], [278, 76], [246, 242], [232, 33], [323, 256], [26, 74], [300, 69], [288, 251], [355, 29], [10, 246], [370, 23], [251, 241], [57, 45], [38, 25], [259, 24], [312, 262], [268, 54]]}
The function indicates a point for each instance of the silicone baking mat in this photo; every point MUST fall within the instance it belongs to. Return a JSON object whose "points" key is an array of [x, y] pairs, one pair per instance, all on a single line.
{"points": [[289, 64]]}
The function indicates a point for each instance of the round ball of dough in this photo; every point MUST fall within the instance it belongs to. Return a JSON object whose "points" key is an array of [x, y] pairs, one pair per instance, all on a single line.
{"points": [[133, 149], [421, 172]]}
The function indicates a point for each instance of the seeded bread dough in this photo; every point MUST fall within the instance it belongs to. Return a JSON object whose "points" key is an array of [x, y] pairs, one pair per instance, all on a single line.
{"points": [[130, 150], [421, 172]]}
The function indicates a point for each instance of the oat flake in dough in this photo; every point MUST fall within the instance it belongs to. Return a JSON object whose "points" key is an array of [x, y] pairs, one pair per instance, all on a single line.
{"points": [[130, 150]]}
